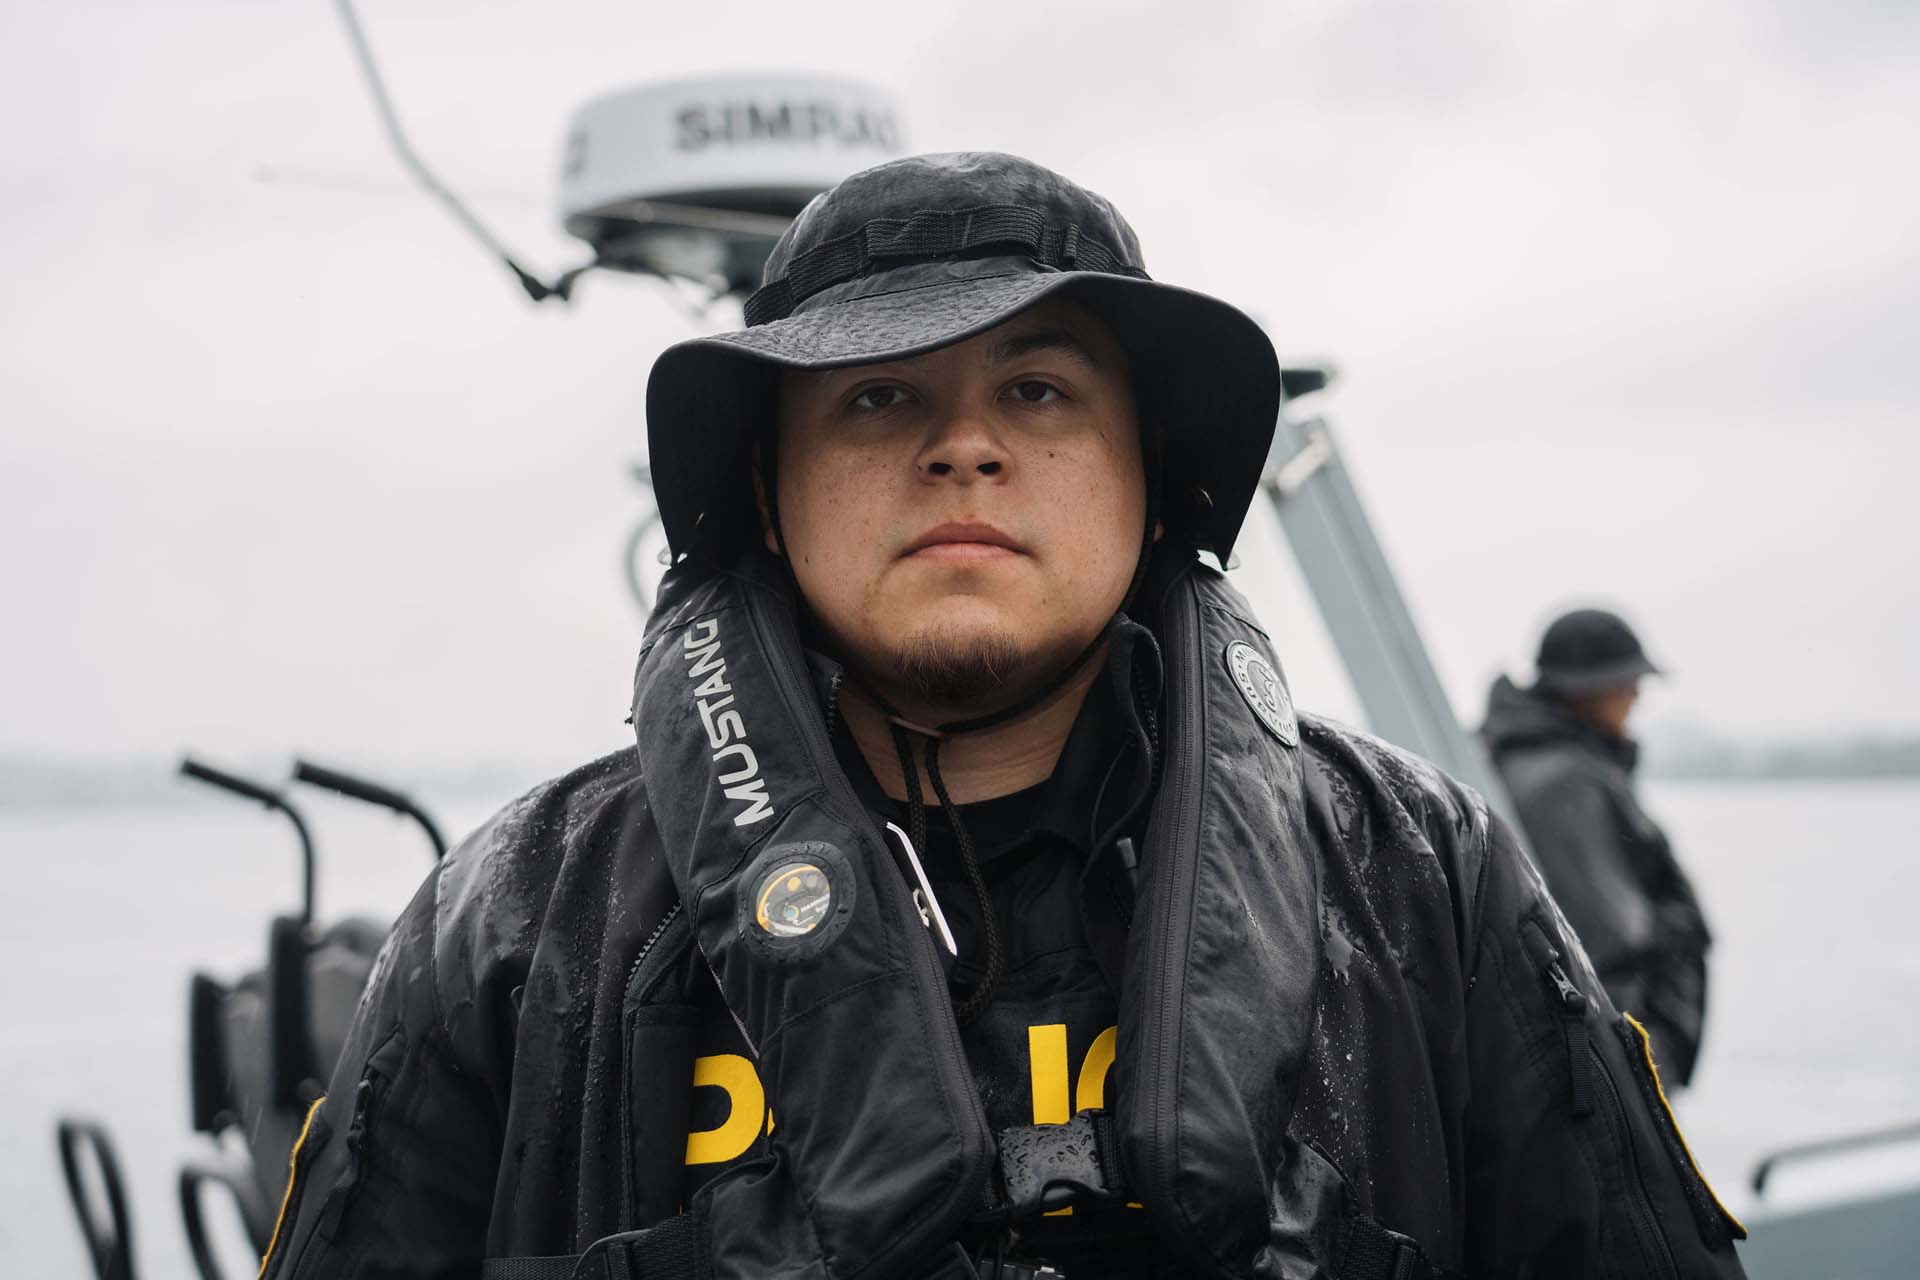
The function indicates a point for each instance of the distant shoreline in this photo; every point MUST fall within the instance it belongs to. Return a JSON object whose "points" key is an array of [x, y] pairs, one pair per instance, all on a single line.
{"points": [[55, 785], [1672, 774], [38, 784], [1705, 757]]}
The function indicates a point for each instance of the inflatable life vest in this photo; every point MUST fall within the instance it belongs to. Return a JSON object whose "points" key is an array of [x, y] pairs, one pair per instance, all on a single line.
{"points": [[805, 913]]}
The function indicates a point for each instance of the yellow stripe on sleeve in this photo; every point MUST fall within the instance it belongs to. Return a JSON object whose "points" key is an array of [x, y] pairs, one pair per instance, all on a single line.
{"points": [[1646, 1050], [286, 1197]]}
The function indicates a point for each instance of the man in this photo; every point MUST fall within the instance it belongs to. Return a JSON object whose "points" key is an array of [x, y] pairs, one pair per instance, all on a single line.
{"points": [[1562, 749], [973, 901]]}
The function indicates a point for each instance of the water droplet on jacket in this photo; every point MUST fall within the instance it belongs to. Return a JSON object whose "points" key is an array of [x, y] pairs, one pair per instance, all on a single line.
{"points": [[1339, 950]]}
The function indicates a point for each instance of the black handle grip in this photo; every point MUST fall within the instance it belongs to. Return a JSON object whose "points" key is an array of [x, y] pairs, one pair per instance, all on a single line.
{"points": [[273, 800], [373, 793], [348, 785], [229, 782]]}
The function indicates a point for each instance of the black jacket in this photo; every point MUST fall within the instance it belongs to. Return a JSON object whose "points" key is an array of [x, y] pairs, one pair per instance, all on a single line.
{"points": [[1346, 993], [1609, 866]]}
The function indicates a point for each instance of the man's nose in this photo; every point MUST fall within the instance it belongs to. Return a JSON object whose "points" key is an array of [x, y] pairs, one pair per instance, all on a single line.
{"points": [[963, 448]]}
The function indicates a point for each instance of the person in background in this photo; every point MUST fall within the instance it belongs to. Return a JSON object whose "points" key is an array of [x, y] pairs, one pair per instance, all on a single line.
{"points": [[1562, 749]]}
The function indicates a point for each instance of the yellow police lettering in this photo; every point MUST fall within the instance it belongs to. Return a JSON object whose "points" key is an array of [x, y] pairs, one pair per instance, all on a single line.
{"points": [[1091, 1092], [1057, 1095], [747, 1109], [1047, 1069]]}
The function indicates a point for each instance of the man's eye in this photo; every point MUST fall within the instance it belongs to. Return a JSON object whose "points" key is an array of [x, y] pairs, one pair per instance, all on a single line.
{"points": [[879, 398], [1034, 391]]}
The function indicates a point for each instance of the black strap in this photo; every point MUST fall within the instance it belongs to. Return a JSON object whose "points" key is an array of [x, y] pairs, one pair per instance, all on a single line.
{"points": [[933, 233], [673, 1250], [1044, 1167], [1372, 1252]]}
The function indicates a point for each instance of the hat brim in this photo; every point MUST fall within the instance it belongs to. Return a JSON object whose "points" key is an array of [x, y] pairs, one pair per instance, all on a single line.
{"points": [[1203, 368], [1569, 683]]}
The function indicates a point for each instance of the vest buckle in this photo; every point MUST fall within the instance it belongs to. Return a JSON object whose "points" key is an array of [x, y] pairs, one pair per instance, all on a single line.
{"points": [[1045, 1167]]}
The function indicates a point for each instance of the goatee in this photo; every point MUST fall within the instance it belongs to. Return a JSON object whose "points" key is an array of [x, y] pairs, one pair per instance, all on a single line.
{"points": [[956, 670]]}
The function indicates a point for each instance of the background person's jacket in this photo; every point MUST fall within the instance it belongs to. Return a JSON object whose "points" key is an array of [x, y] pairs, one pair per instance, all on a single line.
{"points": [[519, 1080], [1608, 864]]}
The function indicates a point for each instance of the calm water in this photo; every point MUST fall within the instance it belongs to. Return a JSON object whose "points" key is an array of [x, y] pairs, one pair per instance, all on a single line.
{"points": [[103, 915]]}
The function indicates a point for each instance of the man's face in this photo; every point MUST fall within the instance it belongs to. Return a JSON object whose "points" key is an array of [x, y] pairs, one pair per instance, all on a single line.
{"points": [[964, 521], [1610, 708]]}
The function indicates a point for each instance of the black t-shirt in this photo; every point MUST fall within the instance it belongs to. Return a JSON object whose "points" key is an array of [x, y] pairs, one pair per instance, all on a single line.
{"points": [[1042, 1049]]}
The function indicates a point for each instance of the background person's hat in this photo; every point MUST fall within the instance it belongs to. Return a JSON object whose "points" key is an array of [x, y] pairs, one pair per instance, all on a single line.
{"points": [[1588, 651], [920, 253]]}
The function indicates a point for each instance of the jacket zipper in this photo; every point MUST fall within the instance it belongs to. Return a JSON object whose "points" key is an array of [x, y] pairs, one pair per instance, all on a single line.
{"points": [[1623, 1136], [646, 949], [1573, 1026], [833, 701], [1584, 1064], [1169, 885], [1572, 1003], [632, 999], [367, 1096]]}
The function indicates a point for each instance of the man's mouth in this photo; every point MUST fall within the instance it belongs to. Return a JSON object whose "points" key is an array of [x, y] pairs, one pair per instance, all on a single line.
{"points": [[964, 542]]}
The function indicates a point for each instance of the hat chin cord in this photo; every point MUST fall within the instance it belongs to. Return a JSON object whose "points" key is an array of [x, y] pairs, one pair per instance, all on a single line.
{"points": [[905, 731]]}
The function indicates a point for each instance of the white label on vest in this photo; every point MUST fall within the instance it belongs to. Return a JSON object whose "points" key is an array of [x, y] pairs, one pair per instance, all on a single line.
{"points": [[1264, 691]]}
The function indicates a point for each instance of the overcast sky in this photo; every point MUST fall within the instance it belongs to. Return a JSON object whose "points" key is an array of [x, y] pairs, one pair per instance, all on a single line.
{"points": [[1625, 297]]}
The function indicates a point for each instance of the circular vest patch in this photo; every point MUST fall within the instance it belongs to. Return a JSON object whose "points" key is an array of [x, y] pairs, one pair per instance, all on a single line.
{"points": [[793, 900], [1264, 691]]}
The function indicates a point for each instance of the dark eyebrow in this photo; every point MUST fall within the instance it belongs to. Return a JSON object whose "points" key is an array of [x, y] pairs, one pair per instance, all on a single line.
{"points": [[1015, 345]]}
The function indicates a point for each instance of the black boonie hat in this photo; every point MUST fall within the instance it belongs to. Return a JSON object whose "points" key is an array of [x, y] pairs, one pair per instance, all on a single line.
{"points": [[919, 253], [1587, 651]]}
